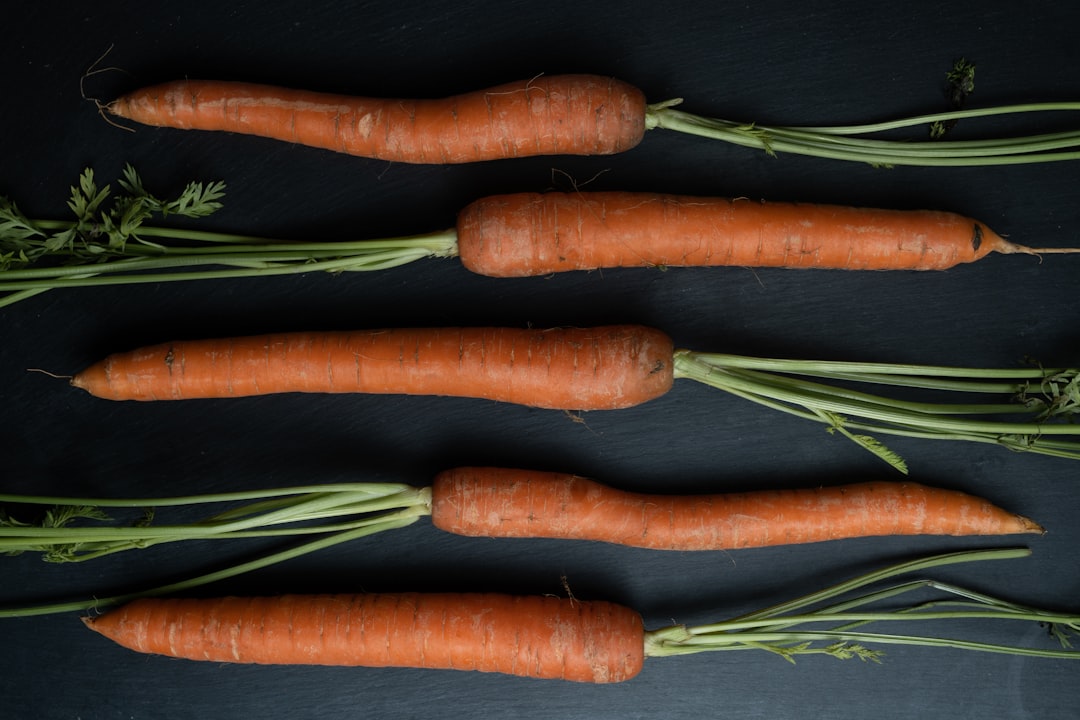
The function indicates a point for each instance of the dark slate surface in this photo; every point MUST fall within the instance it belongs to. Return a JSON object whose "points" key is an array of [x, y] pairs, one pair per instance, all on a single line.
{"points": [[769, 62]]}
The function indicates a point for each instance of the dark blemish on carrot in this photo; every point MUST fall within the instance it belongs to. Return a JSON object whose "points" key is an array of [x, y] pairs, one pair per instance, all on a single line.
{"points": [[976, 239], [659, 367], [169, 358]]}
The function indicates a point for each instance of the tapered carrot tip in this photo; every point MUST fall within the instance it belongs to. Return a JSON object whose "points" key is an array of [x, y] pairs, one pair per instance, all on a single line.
{"points": [[1029, 526]]}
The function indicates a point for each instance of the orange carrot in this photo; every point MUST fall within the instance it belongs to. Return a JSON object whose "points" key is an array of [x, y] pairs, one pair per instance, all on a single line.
{"points": [[540, 637], [531, 234], [494, 502], [550, 637], [600, 368], [578, 368], [560, 114], [509, 503], [568, 114], [541, 233]]}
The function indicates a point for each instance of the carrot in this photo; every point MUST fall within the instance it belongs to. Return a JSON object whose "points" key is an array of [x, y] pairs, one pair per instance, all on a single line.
{"points": [[540, 637], [512, 235], [558, 114], [538, 234], [602, 368], [556, 368], [494, 502], [508, 503], [566, 114]]}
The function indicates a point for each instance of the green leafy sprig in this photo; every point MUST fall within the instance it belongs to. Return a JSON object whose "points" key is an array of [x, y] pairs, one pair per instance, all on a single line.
{"points": [[110, 241]]}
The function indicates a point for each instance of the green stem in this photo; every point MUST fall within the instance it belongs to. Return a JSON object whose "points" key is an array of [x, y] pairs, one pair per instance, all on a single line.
{"points": [[273, 508], [101, 603], [844, 409], [780, 628], [838, 142]]}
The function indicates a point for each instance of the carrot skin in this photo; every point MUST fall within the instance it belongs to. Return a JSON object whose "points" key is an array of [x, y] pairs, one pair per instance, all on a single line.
{"points": [[566, 368], [530, 234], [559, 114], [494, 502], [540, 637]]}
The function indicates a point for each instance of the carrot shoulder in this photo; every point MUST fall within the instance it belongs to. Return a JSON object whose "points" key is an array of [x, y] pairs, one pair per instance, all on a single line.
{"points": [[540, 637], [559, 114], [493, 502], [541, 233], [567, 368]]}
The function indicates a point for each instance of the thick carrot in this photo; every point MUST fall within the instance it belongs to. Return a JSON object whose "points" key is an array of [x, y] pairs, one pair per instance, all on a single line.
{"points": [[576, 368], [541, 233], [550, 637], [495, 502], [540, 637], [565, 114]]}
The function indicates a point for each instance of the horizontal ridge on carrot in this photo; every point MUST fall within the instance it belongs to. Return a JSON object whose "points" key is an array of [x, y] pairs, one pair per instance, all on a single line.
{"points": [[548, 637], [602, 368], [576, 114]]}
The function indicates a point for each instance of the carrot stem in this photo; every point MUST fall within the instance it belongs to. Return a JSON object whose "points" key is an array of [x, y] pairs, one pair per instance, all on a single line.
{"points": [[368, 505], [771, 629], [1040, 395], [97, 603], [841, 143]]}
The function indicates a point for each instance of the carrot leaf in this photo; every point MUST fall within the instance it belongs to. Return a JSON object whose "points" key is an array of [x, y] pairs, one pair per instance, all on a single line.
{"points": [[866, 442], [113, 244]]}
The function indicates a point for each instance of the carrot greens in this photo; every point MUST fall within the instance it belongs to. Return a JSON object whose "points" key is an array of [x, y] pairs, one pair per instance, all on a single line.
{"points": [[796, 627], [111, 243], [1021, 408]]}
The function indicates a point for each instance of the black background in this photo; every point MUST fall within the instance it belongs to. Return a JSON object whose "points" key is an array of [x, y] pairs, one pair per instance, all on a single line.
{"points": [[805, 63]]}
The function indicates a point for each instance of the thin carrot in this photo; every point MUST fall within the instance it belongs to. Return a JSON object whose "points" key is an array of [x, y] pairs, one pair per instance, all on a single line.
{"points": [[545, 636], [601, 368], [494, 502], [564, 114], [579, 368], [557, 114], [511, 503]]}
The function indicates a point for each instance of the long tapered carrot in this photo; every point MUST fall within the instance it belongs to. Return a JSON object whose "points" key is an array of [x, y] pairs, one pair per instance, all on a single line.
{"points": [[540, 637], [494, 502], [557, 114], [580, 368], [563, 114], [583, 368], [512, 503], [551, 637], [602, 368]]}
